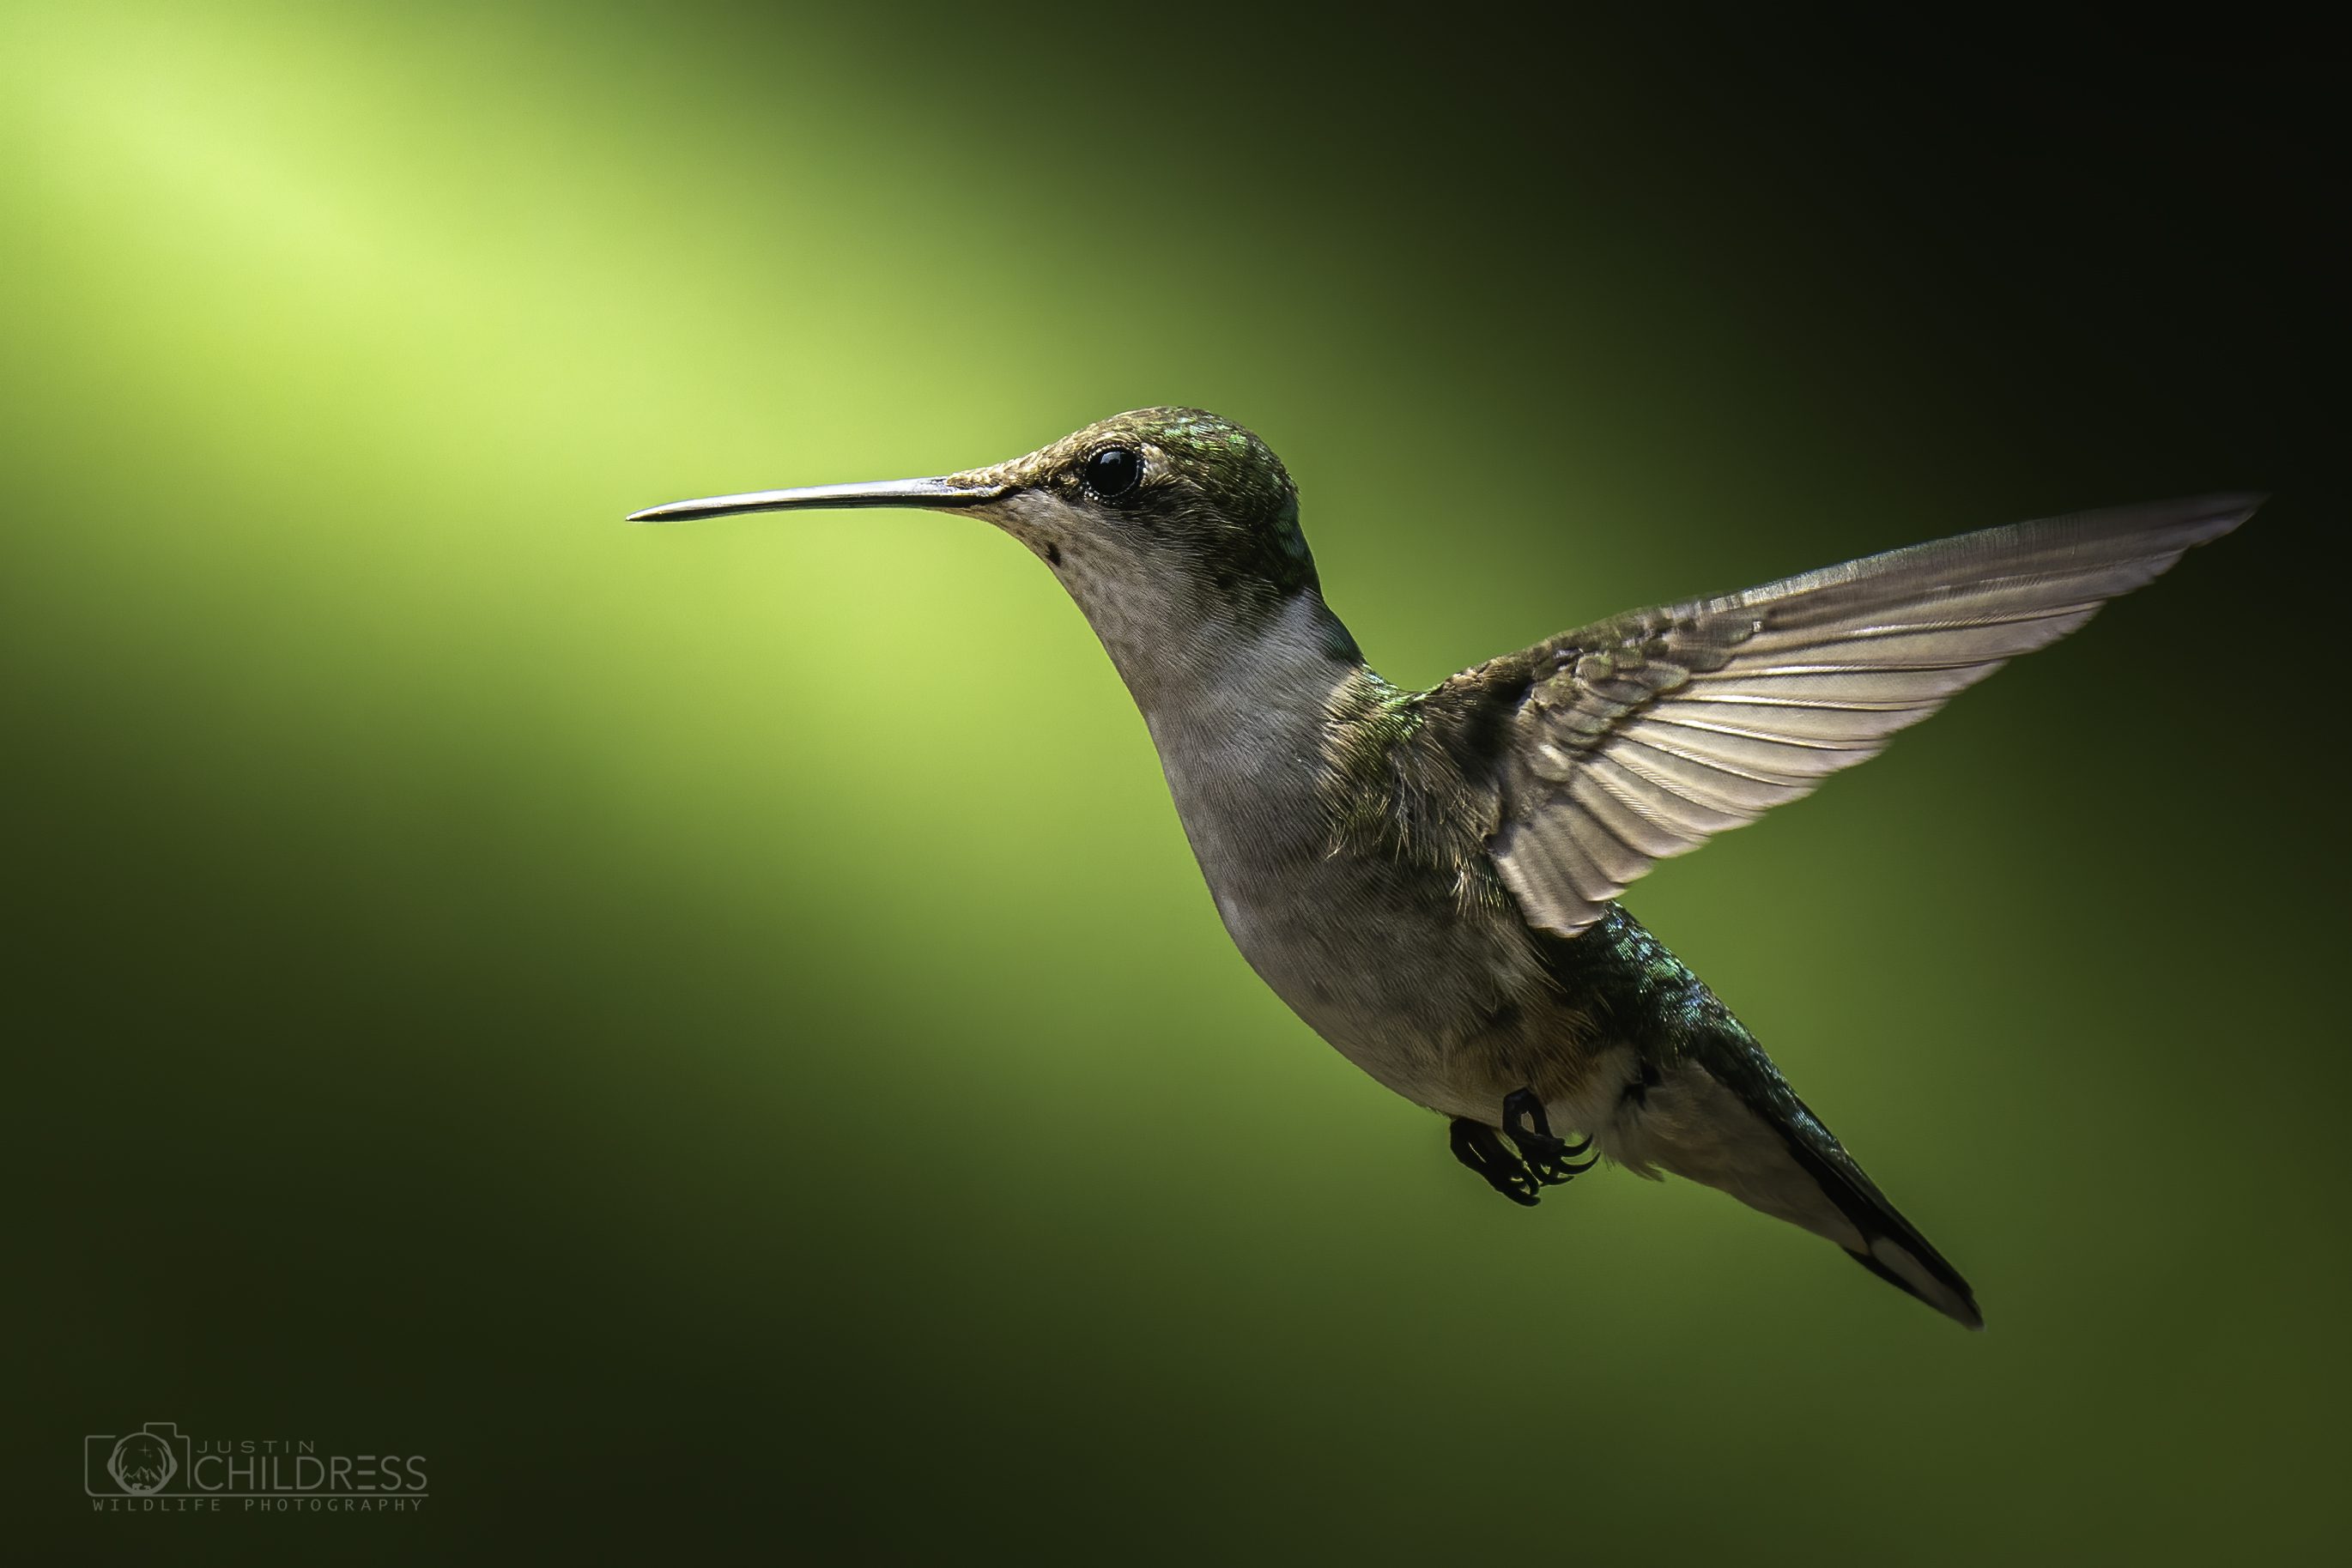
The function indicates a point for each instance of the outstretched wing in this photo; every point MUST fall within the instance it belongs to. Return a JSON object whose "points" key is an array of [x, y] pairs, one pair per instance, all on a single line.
{"points": [[1626, 742]]}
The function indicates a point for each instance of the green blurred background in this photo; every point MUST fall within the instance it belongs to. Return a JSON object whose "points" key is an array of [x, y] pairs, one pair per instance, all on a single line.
{"points": [[713, 1036]]}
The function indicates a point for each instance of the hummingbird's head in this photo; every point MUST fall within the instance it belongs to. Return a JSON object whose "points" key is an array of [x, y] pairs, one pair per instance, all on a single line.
{"points": [[1154, 491], [1157, 522]]}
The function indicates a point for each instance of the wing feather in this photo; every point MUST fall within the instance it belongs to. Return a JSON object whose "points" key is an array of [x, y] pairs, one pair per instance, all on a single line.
{"points": [[1637, 739]]}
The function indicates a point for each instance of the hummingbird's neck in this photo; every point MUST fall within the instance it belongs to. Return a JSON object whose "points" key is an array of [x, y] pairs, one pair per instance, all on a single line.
{"points": [[1239, 708], [1218, 675]]}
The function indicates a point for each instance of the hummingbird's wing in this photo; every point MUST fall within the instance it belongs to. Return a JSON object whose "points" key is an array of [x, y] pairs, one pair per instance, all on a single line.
{"points": [[1634, 739]]}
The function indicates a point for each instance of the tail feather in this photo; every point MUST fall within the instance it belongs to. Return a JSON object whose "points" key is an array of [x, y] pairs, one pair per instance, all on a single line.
{"points": [[1725, 1117], [1892, 1247]]}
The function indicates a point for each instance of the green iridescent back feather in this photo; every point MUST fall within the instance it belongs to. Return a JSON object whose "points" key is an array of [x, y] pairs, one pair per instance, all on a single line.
{"points": [[1393, 789]]}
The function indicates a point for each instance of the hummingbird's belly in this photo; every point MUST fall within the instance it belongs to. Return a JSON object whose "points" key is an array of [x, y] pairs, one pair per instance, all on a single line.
{"points": [[1444, 1000], [1451, 1011]]}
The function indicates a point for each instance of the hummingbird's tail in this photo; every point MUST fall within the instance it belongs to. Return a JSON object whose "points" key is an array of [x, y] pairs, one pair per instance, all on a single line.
{"points": [[1724, 1116]]}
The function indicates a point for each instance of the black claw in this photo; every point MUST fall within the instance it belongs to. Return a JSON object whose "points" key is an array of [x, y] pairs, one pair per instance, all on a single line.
{"points": [[1550, 1161], [1476, 1145], [1560, 1173], [1540, 1160], [1524, 1114]]}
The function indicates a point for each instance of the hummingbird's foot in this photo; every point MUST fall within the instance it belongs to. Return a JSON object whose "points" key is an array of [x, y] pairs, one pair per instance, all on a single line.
{"points": [[1542, 1160], [1477, 1145], [1551, 1161]]}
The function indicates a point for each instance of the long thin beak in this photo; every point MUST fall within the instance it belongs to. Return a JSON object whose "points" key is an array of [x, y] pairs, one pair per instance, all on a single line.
{"points": [[883, 492]]}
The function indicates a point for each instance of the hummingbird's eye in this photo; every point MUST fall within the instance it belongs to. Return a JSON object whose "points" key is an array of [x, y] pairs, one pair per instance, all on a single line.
{"points": [[1113, 473]]}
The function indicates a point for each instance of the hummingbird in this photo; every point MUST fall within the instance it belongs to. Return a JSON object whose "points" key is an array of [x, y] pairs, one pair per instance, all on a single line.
{"points": [[1429, 878]]}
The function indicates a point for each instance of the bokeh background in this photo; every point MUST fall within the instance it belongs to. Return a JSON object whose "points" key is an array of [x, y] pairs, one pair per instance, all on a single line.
{"points": [[713, 1035]]}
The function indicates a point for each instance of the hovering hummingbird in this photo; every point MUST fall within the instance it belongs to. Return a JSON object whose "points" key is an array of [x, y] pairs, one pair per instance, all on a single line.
{"points": [[1429, 879]]}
